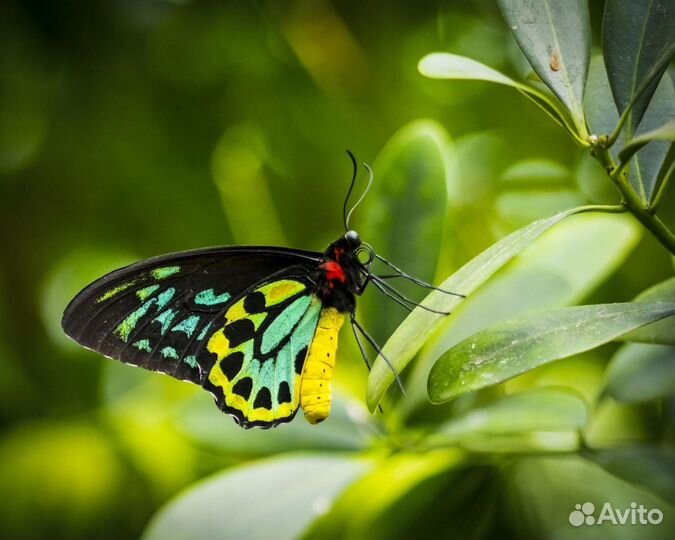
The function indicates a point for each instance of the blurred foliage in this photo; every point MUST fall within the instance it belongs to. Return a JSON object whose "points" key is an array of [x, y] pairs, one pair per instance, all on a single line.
{"points": [[134, 128]]}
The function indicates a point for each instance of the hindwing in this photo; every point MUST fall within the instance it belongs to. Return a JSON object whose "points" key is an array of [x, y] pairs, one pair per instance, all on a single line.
{"points": [[260, 349]]}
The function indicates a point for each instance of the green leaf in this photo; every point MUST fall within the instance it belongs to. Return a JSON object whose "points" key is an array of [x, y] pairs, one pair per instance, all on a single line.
{"points": [[555, 36], [663, 331], [546, 409], [642, 466], [543, 491], [601, 113], [525, 442], [481, 157], [412, 177], [536, 171], [635, 37], [593, 181], [646, 165], [664, 133], [550, 273], [453, 66], [344, 429], [518, 345], [524, 206], [640, 372], [420, 325], [364, 503], [273, 498]]}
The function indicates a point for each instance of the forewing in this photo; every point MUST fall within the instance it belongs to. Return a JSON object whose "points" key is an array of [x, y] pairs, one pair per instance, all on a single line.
{"points": [[158, 313]]}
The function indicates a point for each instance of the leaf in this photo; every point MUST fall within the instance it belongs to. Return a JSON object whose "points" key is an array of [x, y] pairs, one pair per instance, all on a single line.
{"points": [[273, 498], [642, 466], [205, 425], [546, 409], [358, 510], [593, 181], [615, 424], [664, 133], [663, 331], [526, 442], [412, 176], [481, 157], [453, 66], [525, 205], [536, 171], [646, 165], [635, 36], [550, 273], [555, 36], [640, 372], [601, 113], [541, 492], [518, 345], [418, 327]]}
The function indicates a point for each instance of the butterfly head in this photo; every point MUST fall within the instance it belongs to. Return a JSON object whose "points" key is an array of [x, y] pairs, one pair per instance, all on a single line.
{"points": [[353, 239]]}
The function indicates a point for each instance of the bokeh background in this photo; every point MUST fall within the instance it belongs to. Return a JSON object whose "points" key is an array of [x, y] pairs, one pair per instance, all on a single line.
{"points": [[134, 128]]}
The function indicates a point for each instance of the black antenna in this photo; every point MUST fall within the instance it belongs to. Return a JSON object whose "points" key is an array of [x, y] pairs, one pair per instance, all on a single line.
{"points": [[363, 195], [345, 218]]}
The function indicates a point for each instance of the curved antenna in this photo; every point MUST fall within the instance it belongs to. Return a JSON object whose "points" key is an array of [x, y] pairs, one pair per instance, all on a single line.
{"points": [[363, 195], [345, 217]]}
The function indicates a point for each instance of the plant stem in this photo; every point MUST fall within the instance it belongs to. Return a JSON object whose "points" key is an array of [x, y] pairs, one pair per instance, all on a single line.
{"points": [[608, 208], [631, 201], [650, 221]]}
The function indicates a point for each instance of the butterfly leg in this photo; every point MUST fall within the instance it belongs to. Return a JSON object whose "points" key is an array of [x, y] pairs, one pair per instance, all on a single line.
{"points": [[357, 326]]}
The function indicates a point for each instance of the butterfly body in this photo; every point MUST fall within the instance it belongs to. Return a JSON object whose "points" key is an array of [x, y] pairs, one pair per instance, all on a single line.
{"points": [[255, 326]]}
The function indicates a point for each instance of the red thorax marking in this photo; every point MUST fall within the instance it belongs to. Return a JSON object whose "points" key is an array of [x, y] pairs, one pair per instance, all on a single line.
{"points": [[334, 272]]}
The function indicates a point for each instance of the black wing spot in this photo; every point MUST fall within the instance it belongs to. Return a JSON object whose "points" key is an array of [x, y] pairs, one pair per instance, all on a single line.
{"points": [[300, 360], [263, 399], [243, 387], [239, 332], [231, 364], [254, 302], [284, 393]]}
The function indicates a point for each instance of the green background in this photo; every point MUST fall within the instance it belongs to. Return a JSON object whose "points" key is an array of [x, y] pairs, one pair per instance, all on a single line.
{"points": [[134, 128]]}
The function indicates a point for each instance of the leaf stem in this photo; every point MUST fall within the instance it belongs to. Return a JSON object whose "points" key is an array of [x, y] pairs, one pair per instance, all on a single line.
{"points": [[662, 187]]}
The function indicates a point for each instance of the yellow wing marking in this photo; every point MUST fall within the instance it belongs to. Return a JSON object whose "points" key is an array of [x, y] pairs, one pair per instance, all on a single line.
{"points": [[315, 387], [275, 293], [278, 291], [218, 344]]}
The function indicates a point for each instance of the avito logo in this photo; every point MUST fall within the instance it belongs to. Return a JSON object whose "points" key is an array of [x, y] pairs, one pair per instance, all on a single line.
{"points": [[584, 514]]}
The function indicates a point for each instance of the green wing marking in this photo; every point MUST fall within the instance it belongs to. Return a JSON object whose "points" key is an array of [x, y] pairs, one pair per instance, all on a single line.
{"points": [[260, 351]]}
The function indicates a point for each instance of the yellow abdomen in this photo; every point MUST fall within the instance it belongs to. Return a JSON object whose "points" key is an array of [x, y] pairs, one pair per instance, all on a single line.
{"points": [[315, 386]]}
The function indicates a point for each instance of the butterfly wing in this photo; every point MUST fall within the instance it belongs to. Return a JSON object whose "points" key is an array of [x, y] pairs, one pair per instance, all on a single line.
{"points": [[260, 349], [158, 313]]}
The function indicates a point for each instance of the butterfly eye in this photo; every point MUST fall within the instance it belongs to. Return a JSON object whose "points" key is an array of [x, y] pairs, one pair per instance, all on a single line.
{"points": [[365, 254], [353, 238]]}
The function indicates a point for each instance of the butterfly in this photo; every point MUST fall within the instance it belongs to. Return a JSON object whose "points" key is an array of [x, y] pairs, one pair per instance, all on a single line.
{"points": [[257, 327]]}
